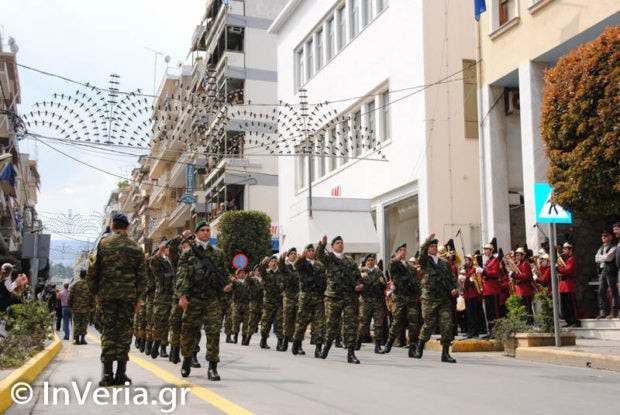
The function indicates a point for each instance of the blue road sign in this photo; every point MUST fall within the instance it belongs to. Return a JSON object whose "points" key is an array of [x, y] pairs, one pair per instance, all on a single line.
{"points": [[546, 210], [240, 261]]}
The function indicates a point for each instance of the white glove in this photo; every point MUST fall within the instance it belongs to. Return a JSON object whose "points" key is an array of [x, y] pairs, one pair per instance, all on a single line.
{"points": [[511, 274], [462, 278], [479, 270], [536, 278]]}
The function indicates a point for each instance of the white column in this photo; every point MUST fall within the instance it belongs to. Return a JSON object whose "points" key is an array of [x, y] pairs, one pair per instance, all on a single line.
{"points": [[535, 163]]}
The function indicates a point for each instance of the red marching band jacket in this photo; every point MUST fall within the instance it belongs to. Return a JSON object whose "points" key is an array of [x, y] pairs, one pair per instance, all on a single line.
{"points": [[569, 272], [545, 278], [469, 289], [490, 278], [524, 280]]}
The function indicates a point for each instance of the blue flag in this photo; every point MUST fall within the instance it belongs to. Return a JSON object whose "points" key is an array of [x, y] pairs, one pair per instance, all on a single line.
{"points": [[479, 8]]}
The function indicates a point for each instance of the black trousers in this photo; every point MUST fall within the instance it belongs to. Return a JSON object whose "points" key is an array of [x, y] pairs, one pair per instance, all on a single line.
{"points": [[529, 308], [471, 311], [569, 307], [491, 307], [607, 280]]}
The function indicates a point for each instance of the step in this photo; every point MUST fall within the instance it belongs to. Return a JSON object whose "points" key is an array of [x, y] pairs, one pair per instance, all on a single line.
{"points": [[602, 323], [604, 333]]}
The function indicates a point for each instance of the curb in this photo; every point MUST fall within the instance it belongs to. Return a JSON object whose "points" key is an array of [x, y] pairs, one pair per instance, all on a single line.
{"points": [[28, 372], [466, 346], [568, 358]]}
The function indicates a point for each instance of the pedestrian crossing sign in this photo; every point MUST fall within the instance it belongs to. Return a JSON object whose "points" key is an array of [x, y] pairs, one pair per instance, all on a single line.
{"points": [[546, 210]]}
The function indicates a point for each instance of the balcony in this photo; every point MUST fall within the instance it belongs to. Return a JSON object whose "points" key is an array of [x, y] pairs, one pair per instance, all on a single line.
{"points": [[179, 216], [160, 190], [168, 153], [178, 172]]}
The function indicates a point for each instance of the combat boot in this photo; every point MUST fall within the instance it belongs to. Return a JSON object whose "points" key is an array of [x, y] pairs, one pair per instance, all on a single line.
{"points": [[76, 340], [388, 345], [358, 343], [295, 347], [419, 349], [263, 343], [107, 374], [338, 342], [317, 350], [351, 356], [142, 345], [325, 352], [82, 340], [174, 355], [279, 345], [194, 360], [235, 338], [301, 351], [155, 350], [212, 372], [412, 348], [247, 339], [186, 368], [163, 352], [121, 377], [402, 341], [243, 337], [445, 356], [148, 348], [284, 344], [378, 347], [137, 342], [229, 338]]}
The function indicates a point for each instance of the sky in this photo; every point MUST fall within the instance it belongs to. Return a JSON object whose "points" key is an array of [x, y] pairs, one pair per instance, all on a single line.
{"points": [[87, 41]]}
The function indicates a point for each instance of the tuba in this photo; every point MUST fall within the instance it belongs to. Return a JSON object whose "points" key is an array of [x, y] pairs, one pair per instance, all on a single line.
{"points": [[477, 277], [533, 260]]}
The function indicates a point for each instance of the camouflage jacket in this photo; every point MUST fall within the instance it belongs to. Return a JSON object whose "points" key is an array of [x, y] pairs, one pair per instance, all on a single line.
{"points": [[256, 289], [311, 276], [80, 298], [405, 277], [342, 274], [438, 279], [373, 288], [175, 251], [118, 269], [272, 280], [290, 281], [162, 275], [201, 273], [242, 291], [149, 282]]}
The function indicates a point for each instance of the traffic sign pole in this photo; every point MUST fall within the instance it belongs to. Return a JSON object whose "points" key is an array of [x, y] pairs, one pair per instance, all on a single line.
{"points": [[554, 286]]}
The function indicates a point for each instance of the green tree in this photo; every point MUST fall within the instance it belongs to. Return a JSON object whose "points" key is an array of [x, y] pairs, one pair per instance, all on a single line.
{"points": [[581, 126], [245, 232]]}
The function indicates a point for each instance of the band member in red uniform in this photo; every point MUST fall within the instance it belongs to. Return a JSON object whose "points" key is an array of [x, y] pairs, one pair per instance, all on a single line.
{"points": [[470, 294], [523, 282], [545, 273], [504, 283], [568, 288], [490, 287]]}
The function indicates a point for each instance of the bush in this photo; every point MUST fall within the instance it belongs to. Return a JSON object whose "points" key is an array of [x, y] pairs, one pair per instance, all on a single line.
{"points": [[514, 322], [28, 326], [544, 319]]}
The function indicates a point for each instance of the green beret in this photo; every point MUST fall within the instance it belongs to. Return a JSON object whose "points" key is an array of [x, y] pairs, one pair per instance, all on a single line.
{"points": [[291, 250], [167, 243], [255, 267], [336, 239], [238, 270], [309, 246], [403, 245], [154, 251], [274, 256], [369, 256], [434, 241], [200, 225]]}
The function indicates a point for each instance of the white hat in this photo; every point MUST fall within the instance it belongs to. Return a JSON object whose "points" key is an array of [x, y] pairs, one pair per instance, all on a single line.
{"points": [[7, 265]]}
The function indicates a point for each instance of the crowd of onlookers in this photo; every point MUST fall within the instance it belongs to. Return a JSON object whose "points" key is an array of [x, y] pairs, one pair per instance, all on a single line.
{"points": [[608, 261]]}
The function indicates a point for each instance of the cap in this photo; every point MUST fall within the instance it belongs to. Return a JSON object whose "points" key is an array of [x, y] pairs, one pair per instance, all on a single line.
{"points": [[200, 225], [291, 250], [607, 232], [470, 256], [154, 251], [120, 218], [82, 272], [399, 246], [309, 246], [567, 245]]}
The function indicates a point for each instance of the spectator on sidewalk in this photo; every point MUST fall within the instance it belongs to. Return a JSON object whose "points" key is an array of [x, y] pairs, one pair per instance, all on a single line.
{"points": [[58, 309], [10, 287], [608, 276], [616, 229], [63, 296]]}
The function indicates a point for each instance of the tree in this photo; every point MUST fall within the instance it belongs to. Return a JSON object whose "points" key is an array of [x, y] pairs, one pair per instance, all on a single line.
{"points": [[245, 232], [581, 126]]}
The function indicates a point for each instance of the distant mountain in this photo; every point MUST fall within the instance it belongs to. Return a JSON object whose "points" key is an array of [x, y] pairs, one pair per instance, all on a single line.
{"points": [[65, 251]]}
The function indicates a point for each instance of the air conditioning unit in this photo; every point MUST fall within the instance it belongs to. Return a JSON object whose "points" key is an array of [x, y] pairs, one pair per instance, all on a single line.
{"points": [[511, 100], [236, 29]]}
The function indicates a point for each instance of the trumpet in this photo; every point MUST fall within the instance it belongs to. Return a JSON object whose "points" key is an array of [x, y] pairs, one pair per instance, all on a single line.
{"points": [[477, 277], [559, 258]]}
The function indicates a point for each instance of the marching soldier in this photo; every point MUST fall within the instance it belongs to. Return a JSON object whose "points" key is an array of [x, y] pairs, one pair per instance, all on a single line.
{"points": [[201, 285], [149, 296], [290, 295], [438, 287], [241, 294], [343, 284], [312, 285], [163, 276], [227, 315], [81, 302], [568, 288], [272, 299], [139, 321], [372, 302], [256, 302], [176, 312], [406, 291], [116, 278]]}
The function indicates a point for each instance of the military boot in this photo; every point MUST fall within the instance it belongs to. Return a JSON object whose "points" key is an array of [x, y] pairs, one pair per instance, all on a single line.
{"points": [[338, 342], [142, 345], [186, 368], [121, 377], [325, 352], [174, 355], [155, 350], [378, 347], [317, 350], [137, 342], [284, 344], [247, 339], [295, 347], [301, 351], [212, 372], [358, 343], [195, 362], [148, 348], [402, 341], [76, 340], [351, 355], [163, 351], [445, 356], [229, 338], [263, 343], [279, 345], [107, 374], [235, 338], [82, 340], [419, 349], [388, 345]]}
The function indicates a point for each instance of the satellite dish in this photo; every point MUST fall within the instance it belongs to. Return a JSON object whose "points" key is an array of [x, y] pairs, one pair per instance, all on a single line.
{"points": [[167, 59]]}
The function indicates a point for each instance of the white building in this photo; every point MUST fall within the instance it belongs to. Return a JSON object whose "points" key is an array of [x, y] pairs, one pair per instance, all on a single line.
{"points": [[402, 72]]}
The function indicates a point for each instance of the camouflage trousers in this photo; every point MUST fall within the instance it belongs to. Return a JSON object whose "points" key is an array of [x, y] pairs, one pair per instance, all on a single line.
{"points": [[372, 309], [175, 321], [405, 313], [289, 313], [272, 310], [255, 310], [139, 320], [197, 314], [311, 310], [148, 318], [227, 312], [161, 317], [117, 328], [437, 312], [80, 323], [341, 310], [241, 314]]}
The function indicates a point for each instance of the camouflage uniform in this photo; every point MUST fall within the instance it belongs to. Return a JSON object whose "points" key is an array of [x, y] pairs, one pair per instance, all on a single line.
{"points": [[140, 316], [81, 302], [272, 300], [201, 284], [290, 295], [227, 311], [117, 279], [149, 295], [437, 283], [372, 303], [312, 285], [405, 295], [163, 276], [242, 291], [256, 303], [176, 312]]}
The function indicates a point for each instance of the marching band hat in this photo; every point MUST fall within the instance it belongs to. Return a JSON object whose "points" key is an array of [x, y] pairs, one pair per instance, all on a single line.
{"points": [[567, 245], [291, 250], [120, 218], [399, 246], [336, 239], [309, 246], [470, 256], [200, 225], [520, 250], [544, 256]]}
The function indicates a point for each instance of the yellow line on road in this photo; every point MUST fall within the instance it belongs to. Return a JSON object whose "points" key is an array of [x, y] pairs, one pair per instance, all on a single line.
{"points": [[203, 393]]}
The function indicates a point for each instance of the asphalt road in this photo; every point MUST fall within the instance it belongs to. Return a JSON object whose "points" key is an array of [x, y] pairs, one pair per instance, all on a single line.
{"points": [[269, 382]]}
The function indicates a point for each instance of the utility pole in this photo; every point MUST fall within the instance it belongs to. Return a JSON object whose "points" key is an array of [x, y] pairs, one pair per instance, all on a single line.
{"points": [[303, 101]]}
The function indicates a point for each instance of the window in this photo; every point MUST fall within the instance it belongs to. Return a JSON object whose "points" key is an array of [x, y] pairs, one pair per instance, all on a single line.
{"points": [[355, 17], [506, 11], [367, 12], [401, 224], [319, 49], [371, 123], [386, 115], [309, 59], [470, 98], [299, 66], [342, 27], [331, 41]]}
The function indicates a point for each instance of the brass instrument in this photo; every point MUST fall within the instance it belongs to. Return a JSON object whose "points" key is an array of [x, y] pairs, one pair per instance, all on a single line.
{"points": [[559, 259], [510, 263], [535, 271], [477, 277]]}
